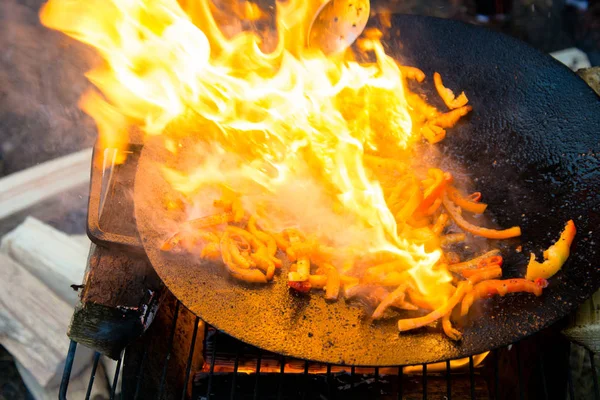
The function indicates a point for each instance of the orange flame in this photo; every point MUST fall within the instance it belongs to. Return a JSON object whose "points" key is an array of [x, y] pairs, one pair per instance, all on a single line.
{"points": [[285, 126]]}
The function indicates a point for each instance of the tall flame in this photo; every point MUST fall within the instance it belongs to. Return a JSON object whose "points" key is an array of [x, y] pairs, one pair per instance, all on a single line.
{"points": [[275, 120]]}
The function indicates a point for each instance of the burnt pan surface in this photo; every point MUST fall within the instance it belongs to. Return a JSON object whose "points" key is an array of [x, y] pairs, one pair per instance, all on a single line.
{"points": [[531, 146]]}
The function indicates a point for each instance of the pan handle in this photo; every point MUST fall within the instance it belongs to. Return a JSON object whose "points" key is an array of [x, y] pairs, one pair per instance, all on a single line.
{"points": [[96, 234]]}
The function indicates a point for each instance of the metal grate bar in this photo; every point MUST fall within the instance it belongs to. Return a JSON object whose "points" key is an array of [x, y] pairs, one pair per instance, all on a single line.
{"points": [[472, 377], [258, 361], [594, 375], [424, 381], [138, 376], [212, 363], [400, 387], [519, 371], [115, 381], [306, 380], [188, 367], [92, 375], [64, 383], [329, 382], [161, 387], [281, 375], [448, 381], [236, 365]]}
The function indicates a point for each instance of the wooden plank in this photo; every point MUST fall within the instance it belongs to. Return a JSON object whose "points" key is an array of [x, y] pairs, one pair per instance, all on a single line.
{"points": [[25, 188], [51, 256], [33, 324]]}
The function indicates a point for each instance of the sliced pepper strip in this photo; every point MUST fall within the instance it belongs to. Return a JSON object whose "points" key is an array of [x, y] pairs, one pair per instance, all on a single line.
{"points": [[449, 330], [554, 257], [414, 323], [248, 275], [500, 287], [477, 230], [465, 202], [448, 95]]}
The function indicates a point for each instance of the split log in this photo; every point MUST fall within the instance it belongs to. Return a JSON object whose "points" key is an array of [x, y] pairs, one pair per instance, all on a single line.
{"points": [[77, 385], [49, 255], [23, 189], [33, 321]]}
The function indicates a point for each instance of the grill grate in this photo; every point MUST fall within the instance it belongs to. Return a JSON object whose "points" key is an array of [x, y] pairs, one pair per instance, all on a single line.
{"points": [[331, 382]]}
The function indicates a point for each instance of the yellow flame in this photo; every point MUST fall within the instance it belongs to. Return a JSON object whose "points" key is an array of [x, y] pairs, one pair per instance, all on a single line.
{"points": [[272, 119]]}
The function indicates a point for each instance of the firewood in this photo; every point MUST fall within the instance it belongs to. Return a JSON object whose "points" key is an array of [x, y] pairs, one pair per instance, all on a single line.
{"points": [[33, 322], [584, 326], [25, 188], [50, 255], [77, 385]]}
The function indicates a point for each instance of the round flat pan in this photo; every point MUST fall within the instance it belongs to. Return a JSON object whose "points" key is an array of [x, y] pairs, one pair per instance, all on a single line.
{"points": [[531, 146]]}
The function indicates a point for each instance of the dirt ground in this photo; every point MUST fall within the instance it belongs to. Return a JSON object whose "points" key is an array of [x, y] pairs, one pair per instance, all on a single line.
{"points": [[42, 77]]}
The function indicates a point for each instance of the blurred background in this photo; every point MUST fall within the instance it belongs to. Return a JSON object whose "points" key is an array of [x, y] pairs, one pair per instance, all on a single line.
{"points": [[42, 78]]}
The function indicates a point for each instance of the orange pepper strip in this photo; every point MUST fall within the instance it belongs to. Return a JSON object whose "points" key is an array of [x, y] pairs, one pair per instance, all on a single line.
{"points": [[412, 73], [500, 287], [486, 274], [317, 281], [211, 251], [248, 275], [397, 295], [267, 239], [433, 133], [420, 105], [452, 238], [474, 262], [440, 224], [477, 230], [464, 202], [467, 273], [448, 95], [414, 323], [449, 330], [434, 191], [449, 119], [196, 224]]}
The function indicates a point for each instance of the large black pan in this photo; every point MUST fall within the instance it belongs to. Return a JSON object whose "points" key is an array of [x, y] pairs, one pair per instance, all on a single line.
{"points": [[532, 146]]}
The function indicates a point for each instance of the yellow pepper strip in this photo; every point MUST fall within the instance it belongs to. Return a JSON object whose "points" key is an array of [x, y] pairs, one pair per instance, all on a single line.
{"points": [[554, 257], [476, 230], [332, 289]]}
